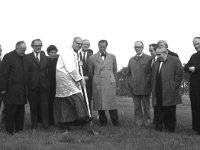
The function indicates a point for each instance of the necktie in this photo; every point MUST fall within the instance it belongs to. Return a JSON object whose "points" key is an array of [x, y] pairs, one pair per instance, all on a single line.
{"points": [[36, 58], [158, 86], [83, 58], [152, 62], [84, 54]]}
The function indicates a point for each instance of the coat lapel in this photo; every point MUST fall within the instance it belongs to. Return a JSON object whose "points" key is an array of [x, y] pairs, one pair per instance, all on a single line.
{"points": [[99, 59], [33, 57], [107, 59], [41, 59]]}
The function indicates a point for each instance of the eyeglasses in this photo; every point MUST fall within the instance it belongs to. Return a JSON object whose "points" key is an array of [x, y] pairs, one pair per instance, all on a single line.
{"points": [[138, 46], [37, 45], [78, 43]]}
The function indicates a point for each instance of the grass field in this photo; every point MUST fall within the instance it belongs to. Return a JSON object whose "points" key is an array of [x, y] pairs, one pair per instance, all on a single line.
{"points": [[128, 137]]}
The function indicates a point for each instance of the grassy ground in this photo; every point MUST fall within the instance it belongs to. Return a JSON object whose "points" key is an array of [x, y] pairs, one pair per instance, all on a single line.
{"points": [[128, 137]]}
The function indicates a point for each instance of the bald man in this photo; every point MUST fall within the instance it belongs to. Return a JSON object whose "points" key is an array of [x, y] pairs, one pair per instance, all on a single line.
{"points": [[84, 55], [69, 106], [167, 75], [193, 68], [139, 68]]}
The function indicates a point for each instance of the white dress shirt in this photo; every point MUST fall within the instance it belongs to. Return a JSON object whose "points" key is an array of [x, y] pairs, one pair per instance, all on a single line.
{"points": [[37, 55]]}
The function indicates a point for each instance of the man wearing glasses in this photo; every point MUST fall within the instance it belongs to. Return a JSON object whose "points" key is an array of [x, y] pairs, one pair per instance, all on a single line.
{"points": [[69, 106], [139, 70], [84, 55], [38, 84]]}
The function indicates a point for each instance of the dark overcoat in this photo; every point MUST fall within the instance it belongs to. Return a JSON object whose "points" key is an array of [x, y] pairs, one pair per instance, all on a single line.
{"points": [[139, 68], [172, 75], [14, 77]]}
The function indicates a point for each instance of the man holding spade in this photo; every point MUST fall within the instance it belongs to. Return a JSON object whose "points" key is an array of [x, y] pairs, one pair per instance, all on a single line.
{"points": [[69, 106]]}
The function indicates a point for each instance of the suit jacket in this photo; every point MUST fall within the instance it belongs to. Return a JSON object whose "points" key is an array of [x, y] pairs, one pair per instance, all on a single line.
{"points": [[85, 65], [171, 76], [38, 72], [140, 71], [104, 85], [14, 77]]}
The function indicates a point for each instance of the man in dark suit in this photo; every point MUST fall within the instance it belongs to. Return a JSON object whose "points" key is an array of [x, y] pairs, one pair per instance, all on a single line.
{"points": [[193, 67], [163, 44], [84, 55], [38, 81], [167, 74], [14, 76]]}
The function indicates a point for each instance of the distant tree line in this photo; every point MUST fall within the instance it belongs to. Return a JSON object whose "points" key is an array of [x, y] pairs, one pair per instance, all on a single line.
{"points": [[122, 83]]}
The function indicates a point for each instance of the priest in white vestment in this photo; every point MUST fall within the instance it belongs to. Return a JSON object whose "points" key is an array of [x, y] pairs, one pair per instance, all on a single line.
{"points": [[69, 106]]}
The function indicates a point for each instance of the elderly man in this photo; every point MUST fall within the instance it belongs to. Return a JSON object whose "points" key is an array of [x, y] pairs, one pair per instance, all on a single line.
{"points": [[139, 70], [84, 55], [163, 44], [102, 69], [14, 75], [38, 85], [193, 67], [69, 104], [167, 75]]}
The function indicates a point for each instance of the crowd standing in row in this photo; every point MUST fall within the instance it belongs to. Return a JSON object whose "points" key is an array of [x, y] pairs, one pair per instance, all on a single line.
{"points": [[54, 85]]}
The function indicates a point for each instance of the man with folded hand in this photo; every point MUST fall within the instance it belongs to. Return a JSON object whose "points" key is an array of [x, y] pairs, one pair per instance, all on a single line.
{"points": [[167, 74]]}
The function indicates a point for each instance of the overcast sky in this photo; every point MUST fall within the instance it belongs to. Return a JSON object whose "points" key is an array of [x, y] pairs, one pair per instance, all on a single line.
{"points": [[120, 22]]}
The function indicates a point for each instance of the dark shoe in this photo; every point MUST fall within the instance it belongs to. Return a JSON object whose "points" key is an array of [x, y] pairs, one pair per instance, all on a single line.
{"points": [[85, 120], [10, 133], [103, 124], [158, 129], [89, 119], [198, 132], [116, 124]]}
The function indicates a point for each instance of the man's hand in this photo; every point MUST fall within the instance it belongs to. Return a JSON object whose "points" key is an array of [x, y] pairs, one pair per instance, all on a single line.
{"points": [[3, 92], [192, 69], [82, 82], [86, 78]]}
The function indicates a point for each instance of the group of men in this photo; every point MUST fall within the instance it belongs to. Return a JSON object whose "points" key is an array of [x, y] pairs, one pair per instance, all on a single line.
{"points": [[54, 85], [159, 75], [25, 77]]}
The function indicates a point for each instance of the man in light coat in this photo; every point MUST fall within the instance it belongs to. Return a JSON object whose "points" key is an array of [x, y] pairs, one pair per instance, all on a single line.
{"points": [[139, 70], [102, 69], [167, 75]]}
